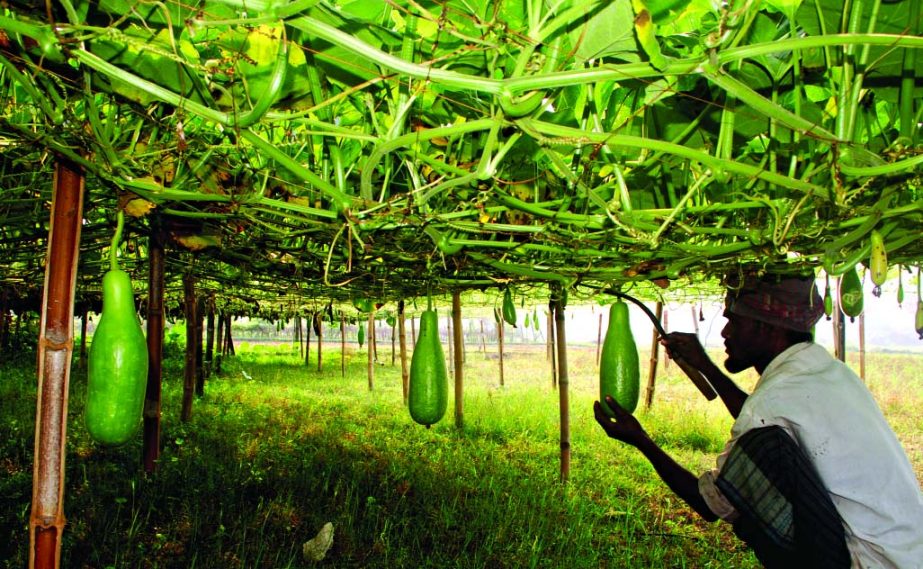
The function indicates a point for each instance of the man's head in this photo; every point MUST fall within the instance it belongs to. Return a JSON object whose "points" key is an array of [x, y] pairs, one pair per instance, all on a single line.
{"points": [[765, 316]]}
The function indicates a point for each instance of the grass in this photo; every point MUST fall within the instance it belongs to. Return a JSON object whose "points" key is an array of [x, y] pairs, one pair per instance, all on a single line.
{"points": [[275, 450]]}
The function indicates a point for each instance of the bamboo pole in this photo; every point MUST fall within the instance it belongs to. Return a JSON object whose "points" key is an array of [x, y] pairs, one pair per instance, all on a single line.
{"points": [[373, 336], [553, 338], [319, 322], [189, 377], [307, 344], [563, 383], [499, 320], [839, 334], [371, 358], [459, 341], [449, 342], [402, 332], [209, 334], [152, 396], [393, 340], [84, 321], [413, 330], [199, 352], [862, 345], [655, 351], [219, 341], [342, 345], [666, 328], [55, 351], [483, 341]]}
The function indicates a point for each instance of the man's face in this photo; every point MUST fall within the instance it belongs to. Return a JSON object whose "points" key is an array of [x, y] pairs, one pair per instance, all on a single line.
{"points": [[742, 342]]}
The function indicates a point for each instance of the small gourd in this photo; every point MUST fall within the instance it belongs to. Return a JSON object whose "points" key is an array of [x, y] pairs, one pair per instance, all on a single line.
{"points": [[509, 309], [878, 261], [619, 365], [851, 294], [428, 394]]}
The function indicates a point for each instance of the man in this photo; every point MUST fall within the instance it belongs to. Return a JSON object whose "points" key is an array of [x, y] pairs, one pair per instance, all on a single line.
{"points": [[813, 475]]}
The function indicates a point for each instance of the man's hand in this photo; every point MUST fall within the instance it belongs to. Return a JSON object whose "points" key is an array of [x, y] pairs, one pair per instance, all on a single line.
{"points": [[686, 346], [623, 426]]}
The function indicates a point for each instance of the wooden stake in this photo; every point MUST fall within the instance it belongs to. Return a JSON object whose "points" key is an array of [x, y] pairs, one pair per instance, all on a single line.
{"points": [[458, 341], [655, 350], [862, 345], [320, 341], [552, 328], [500, 343], [371, 362], [402, 332], [209, 334], [342, 345], [189, 372], [55, 351], [152, 396], [563, 383]]}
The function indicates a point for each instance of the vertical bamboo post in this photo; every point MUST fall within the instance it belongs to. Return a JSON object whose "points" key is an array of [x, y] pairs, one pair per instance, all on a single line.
{"points": [[655, 351], [413, 329], [549, 341], [458, 341], [320, 341], [402, 332], [373, 335], [839, 333], [84, 321], [307, 343], [297, 335], [450, 343], [371, 358], [189, 377], [483, 341], [199, 352], [599, 338], [553, 338], [862, 345], [152, 396], [499, 320], [666, 328], [563, 383], [209, 334], [219, 340], [55, 351], [342, 345], [228, 346], [393, 340]]}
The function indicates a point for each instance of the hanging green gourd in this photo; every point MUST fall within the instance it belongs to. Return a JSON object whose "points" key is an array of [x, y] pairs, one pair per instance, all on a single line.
{"points": [[900, 287], [851, 294], [535, 324], [828, 299], [509, 309], [878, 261], [528, 321], [360, 334], [428, 394], [619, 366], [117, 363]]}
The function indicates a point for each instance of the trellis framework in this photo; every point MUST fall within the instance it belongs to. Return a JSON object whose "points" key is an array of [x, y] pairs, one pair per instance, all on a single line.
{"points": [[387, 148]]}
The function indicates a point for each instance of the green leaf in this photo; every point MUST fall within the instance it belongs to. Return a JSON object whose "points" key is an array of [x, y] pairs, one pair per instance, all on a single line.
{"points": [[608, 33]]}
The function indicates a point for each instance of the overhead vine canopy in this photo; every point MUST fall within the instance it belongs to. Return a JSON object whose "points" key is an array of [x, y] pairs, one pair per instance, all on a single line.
{"points": [[387, 147]]}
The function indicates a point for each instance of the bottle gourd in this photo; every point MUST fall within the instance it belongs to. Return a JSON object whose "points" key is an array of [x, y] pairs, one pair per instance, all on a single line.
{"points": [[428, 394], [619, 366], [117, 364], [851, 296]]}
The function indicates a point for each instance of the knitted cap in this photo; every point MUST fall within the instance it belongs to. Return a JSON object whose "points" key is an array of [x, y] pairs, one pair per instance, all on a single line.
{"points": [[788, 302]]}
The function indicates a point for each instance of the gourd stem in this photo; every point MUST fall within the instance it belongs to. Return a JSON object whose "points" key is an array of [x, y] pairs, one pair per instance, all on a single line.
{"points": [[116, 239]]}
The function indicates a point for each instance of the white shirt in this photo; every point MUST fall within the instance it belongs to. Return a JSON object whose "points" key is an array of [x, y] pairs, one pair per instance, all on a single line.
{"points": [[829, 412]]}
